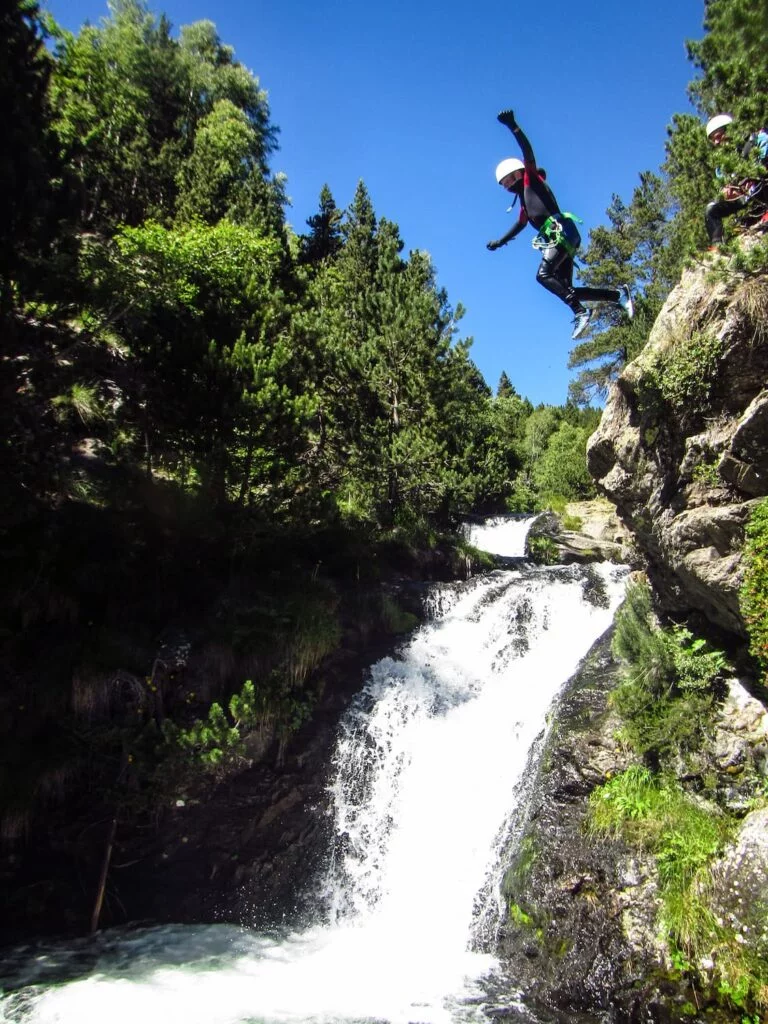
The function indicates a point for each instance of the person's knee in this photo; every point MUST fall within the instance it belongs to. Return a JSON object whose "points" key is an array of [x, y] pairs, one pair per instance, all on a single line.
{"points": [[545, 274]]}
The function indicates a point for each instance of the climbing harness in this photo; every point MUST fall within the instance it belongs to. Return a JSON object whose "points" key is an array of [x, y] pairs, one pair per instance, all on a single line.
{"points": [[552, 232]]}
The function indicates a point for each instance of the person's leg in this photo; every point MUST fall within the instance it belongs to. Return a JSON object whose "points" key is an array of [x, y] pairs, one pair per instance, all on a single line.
{"points": [[584, 294], [716, 212], [555, 273]]}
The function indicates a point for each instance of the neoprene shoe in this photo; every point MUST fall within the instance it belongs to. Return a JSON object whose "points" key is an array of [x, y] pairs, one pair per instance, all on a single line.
{"points": [[625, 300], [581, 323]]}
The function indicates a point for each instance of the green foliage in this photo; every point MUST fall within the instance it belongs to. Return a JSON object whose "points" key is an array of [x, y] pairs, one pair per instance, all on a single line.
{"points": [[707, 473], [650, 240], [146, 123], [754, 589], [685, 837], [697, 665], [732, 62], [656, 815], [324, 240], [219, 739], [751, 262], [543, 550], [670, 681], [25, 166], [562, 469], [683, 377], [639, 644], [396, 619], [82, 400], [571, 522], [626, 253]]}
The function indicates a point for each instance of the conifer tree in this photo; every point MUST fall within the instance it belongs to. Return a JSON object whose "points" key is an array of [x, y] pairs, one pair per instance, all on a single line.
{"points": [[25, 69], [324, 239], [629, 252], [504, 388], [732, 59]]}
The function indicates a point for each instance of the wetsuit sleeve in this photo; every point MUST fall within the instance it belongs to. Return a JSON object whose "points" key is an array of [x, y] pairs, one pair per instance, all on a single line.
{"points": [[515, 231], [525, 148]]}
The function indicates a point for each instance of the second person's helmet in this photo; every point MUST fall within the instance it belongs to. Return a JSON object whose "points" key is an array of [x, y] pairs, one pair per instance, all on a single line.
{"points": [[718, 121]]}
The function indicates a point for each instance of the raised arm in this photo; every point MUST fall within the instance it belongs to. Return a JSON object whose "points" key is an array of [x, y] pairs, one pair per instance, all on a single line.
{"points": [[512, 233], [507, 118]]}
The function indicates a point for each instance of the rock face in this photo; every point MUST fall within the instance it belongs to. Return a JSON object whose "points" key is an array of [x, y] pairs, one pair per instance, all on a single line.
{"points": [[681, 448], [588, 531], [582, 931]]}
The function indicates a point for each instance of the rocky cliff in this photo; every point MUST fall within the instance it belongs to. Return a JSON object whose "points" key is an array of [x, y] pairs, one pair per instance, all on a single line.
{"points": [[681, 448], [682, 454], [584, 932]]}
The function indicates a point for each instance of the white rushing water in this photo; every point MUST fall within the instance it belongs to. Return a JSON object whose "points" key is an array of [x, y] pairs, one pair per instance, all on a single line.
{"points": [[500, 535], [423, 781]]}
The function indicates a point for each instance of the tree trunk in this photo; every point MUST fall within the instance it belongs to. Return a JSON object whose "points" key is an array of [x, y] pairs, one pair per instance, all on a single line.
{"points": [[96, 914]]}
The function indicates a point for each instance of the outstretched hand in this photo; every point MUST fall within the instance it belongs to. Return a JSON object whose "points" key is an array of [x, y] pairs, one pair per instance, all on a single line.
{"points": [[493, 245], [507, 118]]}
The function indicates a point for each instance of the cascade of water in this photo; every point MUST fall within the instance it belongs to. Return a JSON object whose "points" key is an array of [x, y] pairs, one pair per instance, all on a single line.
{"points": [[424, 773], [500, 535]]}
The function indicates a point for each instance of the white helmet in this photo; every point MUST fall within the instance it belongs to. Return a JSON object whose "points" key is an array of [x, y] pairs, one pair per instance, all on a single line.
{"points": [[718, 121], [507, 167]]}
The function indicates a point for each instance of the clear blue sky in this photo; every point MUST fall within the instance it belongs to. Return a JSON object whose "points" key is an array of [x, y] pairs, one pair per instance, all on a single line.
{"points": [[404, 95]]}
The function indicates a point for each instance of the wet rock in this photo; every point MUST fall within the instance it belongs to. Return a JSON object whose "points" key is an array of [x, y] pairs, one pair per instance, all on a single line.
{"points": [[580, 932], [740, 894], [586, 532]]}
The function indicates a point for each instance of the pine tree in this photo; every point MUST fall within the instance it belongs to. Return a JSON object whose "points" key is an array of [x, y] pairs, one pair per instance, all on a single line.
{"points": [[24, 160], [630, 252], [504, 388], [732, 59], [324, 239], [145, 122]]}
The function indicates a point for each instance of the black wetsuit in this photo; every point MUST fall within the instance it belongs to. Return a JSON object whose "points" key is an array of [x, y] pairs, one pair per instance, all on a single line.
{"points": [[721, 208], [537, 205]]}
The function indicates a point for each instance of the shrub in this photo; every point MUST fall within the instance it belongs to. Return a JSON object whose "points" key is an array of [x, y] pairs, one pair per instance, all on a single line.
{"points": [[682, 378], [543, 550], [754, 590], [669, 683], [219, 738]]}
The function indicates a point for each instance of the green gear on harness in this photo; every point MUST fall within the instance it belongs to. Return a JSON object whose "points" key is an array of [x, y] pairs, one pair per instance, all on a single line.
{"points": [[551, 233]]}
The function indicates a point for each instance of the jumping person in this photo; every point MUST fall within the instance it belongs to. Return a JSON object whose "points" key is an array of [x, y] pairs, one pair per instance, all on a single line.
{"points": [[558, 237], [735, 195]]}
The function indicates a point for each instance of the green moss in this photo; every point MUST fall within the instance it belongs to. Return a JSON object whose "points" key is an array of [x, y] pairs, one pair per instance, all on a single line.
{"points": [[395, 618], [517, 875], [573, 523], [519, 916]]}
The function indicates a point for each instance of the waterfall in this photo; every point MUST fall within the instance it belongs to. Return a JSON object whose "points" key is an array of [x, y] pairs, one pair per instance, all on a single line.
{"points": [[500, 535], [424, 777]]}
